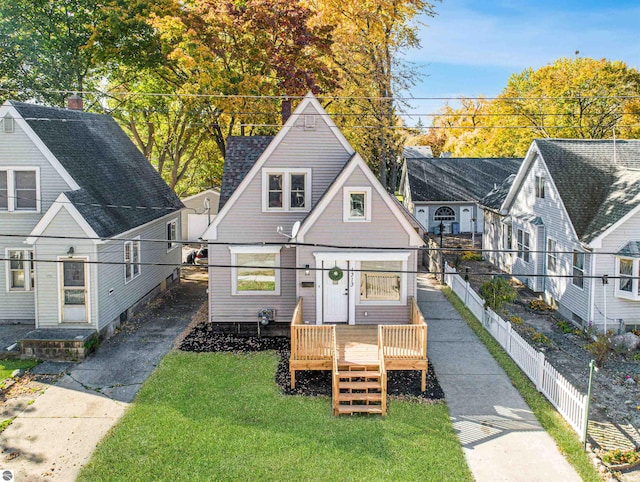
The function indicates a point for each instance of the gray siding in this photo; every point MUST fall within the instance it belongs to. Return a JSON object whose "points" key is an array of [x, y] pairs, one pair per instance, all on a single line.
{"points": [[114, 296], [317, 149], [570, 298], [228, 308], [17, 150], [48, 291]]}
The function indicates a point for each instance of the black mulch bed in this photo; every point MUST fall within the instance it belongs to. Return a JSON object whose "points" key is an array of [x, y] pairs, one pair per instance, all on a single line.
{"points": [[400, 383]]}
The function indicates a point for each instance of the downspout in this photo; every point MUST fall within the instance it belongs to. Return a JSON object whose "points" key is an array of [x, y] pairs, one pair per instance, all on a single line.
{"points": [[592, 271]]}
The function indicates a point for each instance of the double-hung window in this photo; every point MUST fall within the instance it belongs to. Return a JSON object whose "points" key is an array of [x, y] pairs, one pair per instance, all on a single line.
{"points": [[255, 270], [19, 189], [286, 189], [524, 245], [540, 187], [131, 260], [172, 234], [552, 255], [20, 270], [578, 269], [628, 282], [356, 204]]}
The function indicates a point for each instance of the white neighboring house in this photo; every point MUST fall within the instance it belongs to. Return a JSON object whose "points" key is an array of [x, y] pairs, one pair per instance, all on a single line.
{"points": [[199, 211], [572, 217], [78, 202], [448, 190]]}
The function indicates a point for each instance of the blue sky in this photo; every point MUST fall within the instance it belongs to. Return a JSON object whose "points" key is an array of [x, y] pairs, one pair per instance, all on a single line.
{"points": [[472, 47]]}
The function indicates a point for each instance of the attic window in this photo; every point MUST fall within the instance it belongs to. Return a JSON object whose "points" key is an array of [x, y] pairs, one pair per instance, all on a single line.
{"points": [[356, 204], [540, 187], [8, 123], [309, 122]]}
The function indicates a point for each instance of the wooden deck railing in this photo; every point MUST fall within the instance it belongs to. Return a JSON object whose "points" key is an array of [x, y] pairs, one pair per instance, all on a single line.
{"points": [[312, 346], [383, 381]]}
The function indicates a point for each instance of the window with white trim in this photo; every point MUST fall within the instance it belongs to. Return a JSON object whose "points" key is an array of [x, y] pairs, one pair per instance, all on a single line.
{"points": [[286, 189], [578, 269], [255, 270], [540, 187], [552, 255], [444, 213], [507, 234], [380, 280], [356, 204], [19, 189], [524, 248], [20, 270], [8, 124], [172, 234], [628, 273], [131, 260]]}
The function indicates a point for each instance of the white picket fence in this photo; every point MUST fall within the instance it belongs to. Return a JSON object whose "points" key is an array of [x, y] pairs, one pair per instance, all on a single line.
{"points": [[569, 402]]}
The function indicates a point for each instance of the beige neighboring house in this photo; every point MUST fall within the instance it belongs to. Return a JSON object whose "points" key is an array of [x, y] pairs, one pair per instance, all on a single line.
{"points": [[198, 213]]}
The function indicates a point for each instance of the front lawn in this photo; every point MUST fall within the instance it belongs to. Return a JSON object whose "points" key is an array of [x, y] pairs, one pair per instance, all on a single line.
{"points": [[8, 366], [220, 416]]}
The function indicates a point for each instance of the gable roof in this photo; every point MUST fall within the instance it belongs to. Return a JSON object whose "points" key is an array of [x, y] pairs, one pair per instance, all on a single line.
{"points": [[595, 190], [309, 100], [241, 154], [335, 190], [417, 152], [498, 194], [106, 166], [456, 179]]}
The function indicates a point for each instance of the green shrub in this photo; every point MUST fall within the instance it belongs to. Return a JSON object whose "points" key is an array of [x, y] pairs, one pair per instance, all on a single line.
{"points": [[539, 305], [565, 326], [496, 292], [516, 320], [540, 339], [619, 457], [601, 347], [471, 256], [636, 356]]}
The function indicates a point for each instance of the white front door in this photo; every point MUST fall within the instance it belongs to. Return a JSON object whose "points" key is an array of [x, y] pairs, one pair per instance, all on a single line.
{"points": [[465, 220], [335, 293], [73, 290], [422, 215]]}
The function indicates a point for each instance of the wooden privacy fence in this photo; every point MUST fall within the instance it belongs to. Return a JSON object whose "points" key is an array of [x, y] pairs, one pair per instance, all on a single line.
{"points": [[312, 346], [569, 401]]}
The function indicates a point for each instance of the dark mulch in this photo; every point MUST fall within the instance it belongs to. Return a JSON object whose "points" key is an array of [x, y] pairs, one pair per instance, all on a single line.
{"points": [[400, 384]]}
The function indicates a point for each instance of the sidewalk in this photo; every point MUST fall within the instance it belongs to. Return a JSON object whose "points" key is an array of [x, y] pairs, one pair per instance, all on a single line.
{"points": [[500, 436], [54, 437]]}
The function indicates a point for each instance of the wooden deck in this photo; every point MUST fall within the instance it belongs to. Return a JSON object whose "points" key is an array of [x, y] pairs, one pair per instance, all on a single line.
{"points": [[359, 357]]}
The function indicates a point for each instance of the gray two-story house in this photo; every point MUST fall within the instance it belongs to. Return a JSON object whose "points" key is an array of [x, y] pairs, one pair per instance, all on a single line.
{"points": [[572, 220], [309, 184], [88, 229]]}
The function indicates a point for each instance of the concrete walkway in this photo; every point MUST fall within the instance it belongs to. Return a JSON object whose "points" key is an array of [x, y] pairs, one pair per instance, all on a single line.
{"points": [[54, 437], [501, 438]]}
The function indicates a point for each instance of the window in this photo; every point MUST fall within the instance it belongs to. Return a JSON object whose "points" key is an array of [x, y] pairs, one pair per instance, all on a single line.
{"points": [[378, 282], [9, 124], [444, 213], [357, 204], [19, 189], [552, 255], [172, 234], [131, 260], [578, 269], [20, 270], [628, 283], [540, 187], [507, 233], [523, 245], [286, 190], [254, 270]]}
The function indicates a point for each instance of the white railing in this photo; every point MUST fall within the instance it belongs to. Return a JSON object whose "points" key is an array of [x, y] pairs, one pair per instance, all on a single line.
{"points": [[569, 402]]}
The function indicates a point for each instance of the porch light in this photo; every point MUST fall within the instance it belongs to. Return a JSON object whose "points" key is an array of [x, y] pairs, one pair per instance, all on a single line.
{"points": [[71, 251], [306, 270]]}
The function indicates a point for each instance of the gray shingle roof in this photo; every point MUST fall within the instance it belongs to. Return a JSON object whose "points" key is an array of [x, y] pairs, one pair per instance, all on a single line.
{"points": [[241, 154], [498, 194], [595, 190], [417, 152], [457, 179], [107, 166]]}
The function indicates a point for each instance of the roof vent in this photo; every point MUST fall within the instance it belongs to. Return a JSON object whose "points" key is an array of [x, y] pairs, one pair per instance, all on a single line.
{"points": [[75, 103]]}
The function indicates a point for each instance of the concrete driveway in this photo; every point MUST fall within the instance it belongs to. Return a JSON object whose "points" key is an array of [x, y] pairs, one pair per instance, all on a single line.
{"points": [[54, 436]]}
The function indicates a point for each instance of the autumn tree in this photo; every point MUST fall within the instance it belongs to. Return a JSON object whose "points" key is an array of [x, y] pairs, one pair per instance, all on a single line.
{"points": [[572, 98]]}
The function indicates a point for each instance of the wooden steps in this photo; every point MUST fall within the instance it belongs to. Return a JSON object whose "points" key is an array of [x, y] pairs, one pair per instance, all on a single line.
{"points": [[360, 389]]}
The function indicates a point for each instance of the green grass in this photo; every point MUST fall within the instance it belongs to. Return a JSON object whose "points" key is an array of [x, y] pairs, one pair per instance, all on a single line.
{"points": [[8, 366], [217, 416], [565, 437]]}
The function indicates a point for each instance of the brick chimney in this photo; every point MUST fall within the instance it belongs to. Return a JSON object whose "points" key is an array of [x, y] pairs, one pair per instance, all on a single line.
{"points": [[75, 102]]}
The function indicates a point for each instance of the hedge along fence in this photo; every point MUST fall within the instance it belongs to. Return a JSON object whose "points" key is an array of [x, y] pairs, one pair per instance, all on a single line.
{"points": [[568, 400]]}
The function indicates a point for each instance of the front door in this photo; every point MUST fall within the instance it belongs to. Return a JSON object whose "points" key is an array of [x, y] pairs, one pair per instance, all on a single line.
{"points": [[465, 220], [74, 290], [335, 293]]}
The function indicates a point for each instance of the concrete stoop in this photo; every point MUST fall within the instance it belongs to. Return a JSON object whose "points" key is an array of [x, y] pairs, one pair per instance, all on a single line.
{"points": [[58, 344]]}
